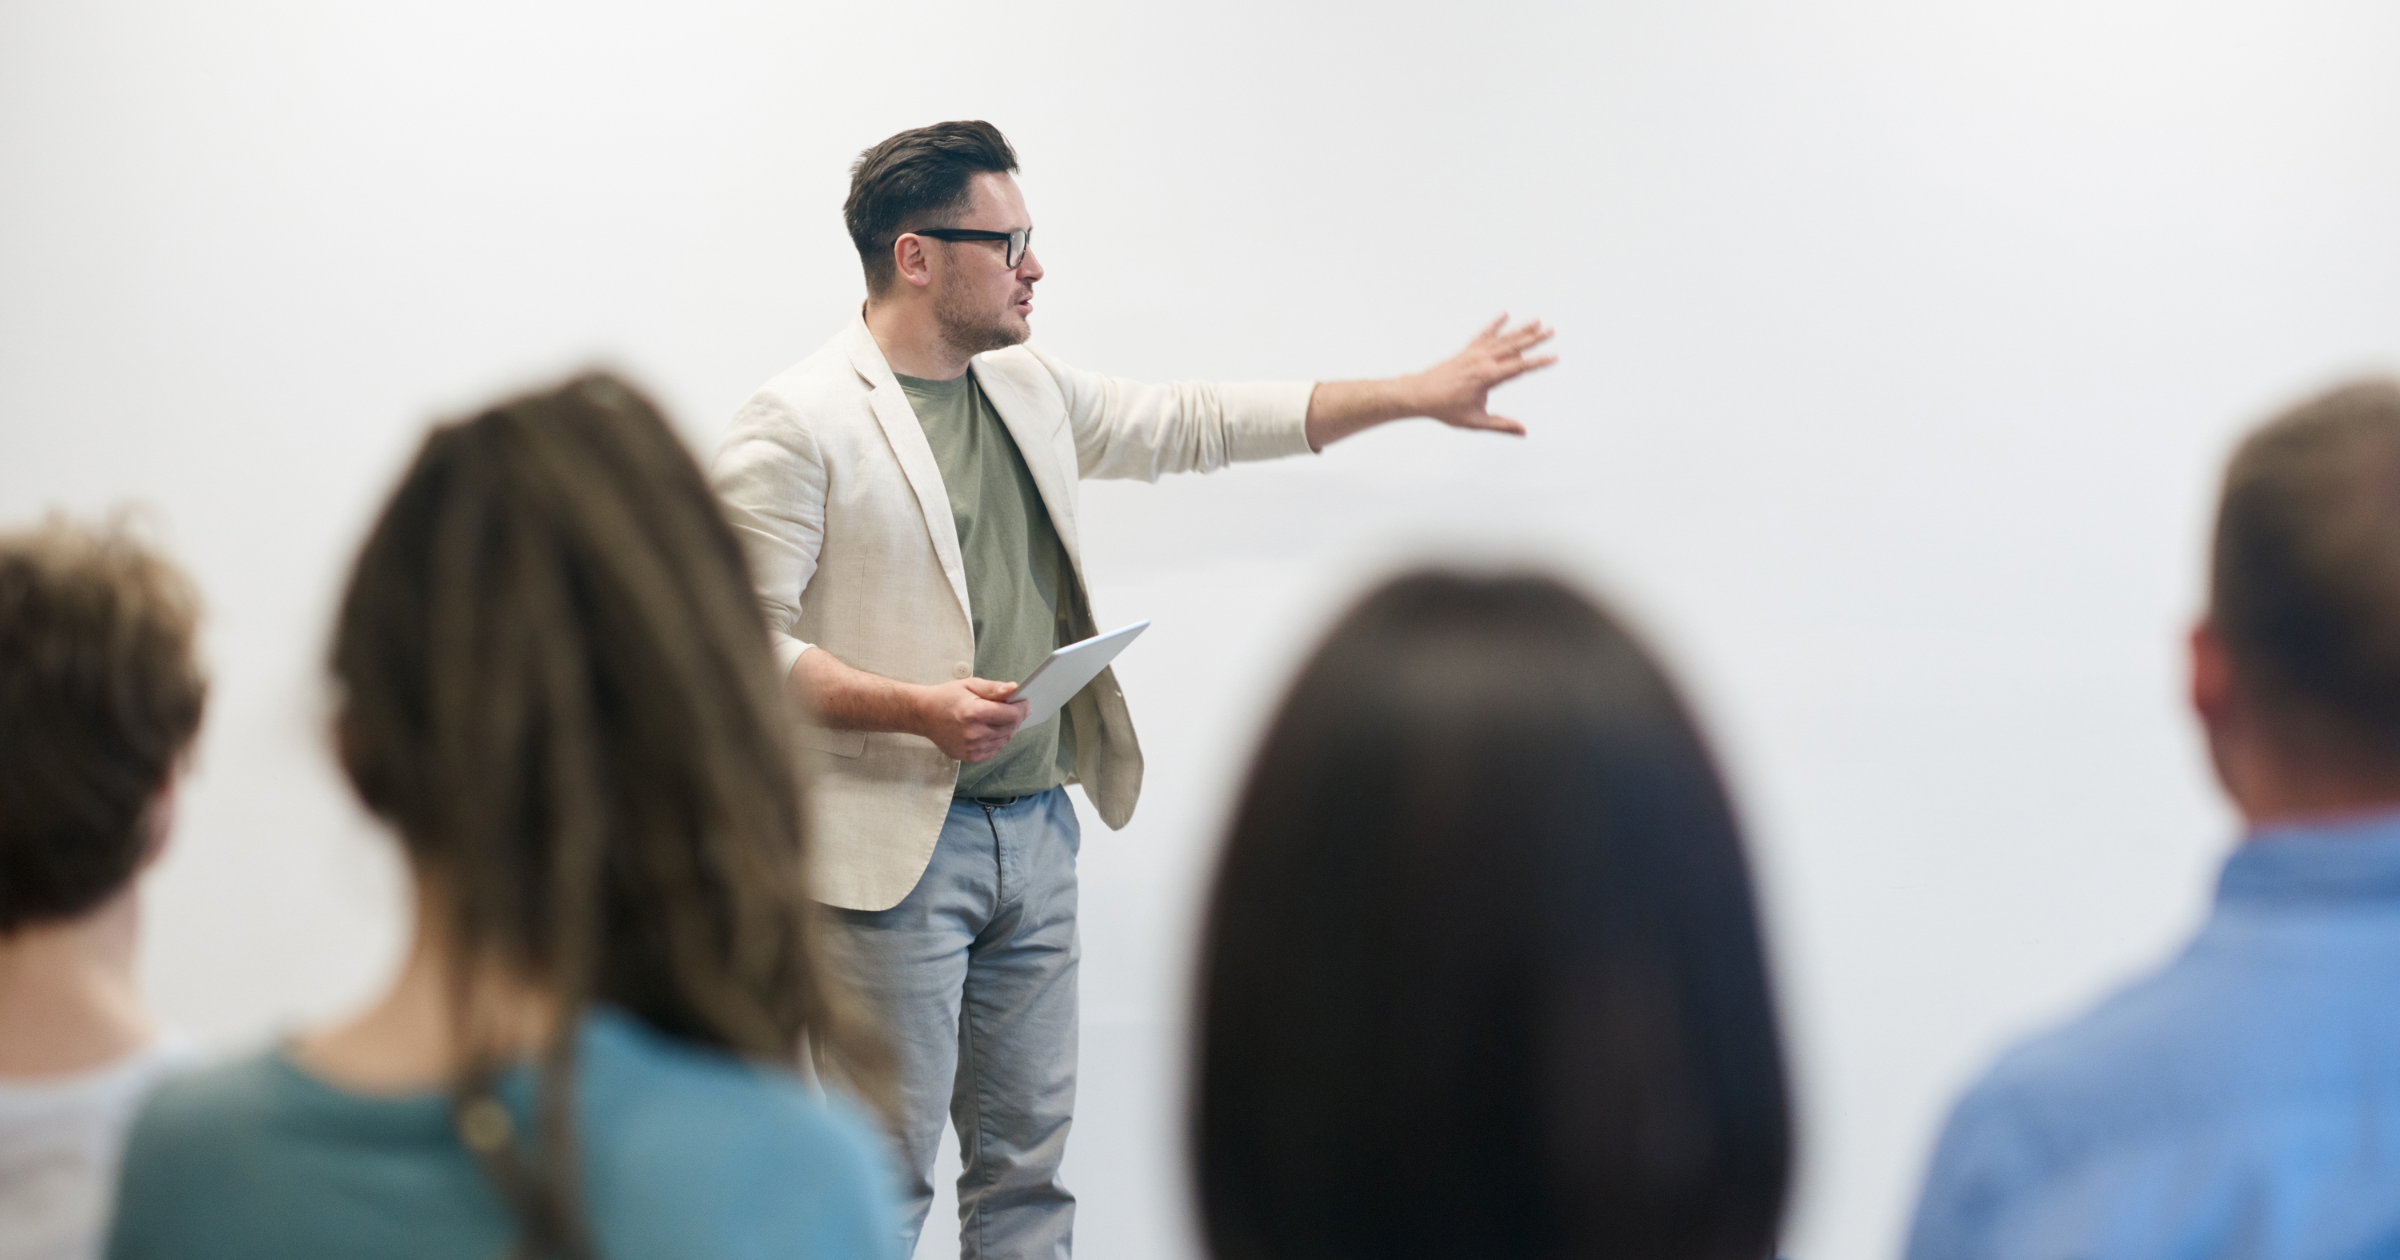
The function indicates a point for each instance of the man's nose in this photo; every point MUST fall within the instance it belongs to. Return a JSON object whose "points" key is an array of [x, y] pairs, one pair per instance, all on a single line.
{"points": [[1030, 267]]}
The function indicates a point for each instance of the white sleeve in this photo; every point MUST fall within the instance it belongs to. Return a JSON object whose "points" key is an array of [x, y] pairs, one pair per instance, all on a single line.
{"points": [[1131, 429], [770, 477]]}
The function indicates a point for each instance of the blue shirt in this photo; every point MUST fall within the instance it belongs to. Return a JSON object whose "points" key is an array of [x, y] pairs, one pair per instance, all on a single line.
{"points": [[2244, 1101], [687, 1153]]}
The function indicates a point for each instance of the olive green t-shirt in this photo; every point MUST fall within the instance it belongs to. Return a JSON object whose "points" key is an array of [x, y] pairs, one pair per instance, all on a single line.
{"points": [[1018, 592]]}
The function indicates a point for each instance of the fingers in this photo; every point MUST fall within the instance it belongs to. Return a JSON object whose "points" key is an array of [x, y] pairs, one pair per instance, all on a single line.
{"points": [[986, 719], [1520, 367], [1528, 337], [1505, 351], [1482, 420], [1515, 343], [1508, 370], [1496, 355], [1525, 334], [1001, 719], [986, 735]]}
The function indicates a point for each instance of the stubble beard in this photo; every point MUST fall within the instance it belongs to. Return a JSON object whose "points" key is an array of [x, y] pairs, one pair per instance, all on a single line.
{"points": [[970, 330]]}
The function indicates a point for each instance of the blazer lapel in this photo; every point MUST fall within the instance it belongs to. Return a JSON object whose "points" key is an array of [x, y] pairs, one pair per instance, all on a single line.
{"points": [[1037, 442], [915, 454]]}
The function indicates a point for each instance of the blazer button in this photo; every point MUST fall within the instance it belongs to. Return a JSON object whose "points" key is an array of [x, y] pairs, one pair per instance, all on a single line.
{"points": [[962, 670]]}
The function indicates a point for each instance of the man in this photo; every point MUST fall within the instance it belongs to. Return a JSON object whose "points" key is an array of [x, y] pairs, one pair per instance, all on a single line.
{"points": [[907, 496], [2244, 1100], [99, 698]]}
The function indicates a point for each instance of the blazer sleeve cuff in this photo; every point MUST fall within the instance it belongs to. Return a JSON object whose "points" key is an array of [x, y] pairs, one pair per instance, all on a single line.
{"points": [[1266, 419]]}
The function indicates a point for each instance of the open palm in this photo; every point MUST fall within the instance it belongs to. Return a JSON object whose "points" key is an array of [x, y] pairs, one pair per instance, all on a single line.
{"points": [[1457, 391]]}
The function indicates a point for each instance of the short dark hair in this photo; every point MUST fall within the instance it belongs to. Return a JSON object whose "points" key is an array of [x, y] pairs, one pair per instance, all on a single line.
{"points": [[912, 180], [1481, 975], [2305, 579], [99, 694]]}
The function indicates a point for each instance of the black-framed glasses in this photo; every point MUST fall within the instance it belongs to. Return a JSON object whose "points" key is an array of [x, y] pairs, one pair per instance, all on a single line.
{"points": [[1018, 241]]}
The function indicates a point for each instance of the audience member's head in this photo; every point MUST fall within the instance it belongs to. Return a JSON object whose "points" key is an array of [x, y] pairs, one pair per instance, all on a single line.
{"points": [[555, 686], [100, 695], [1482, 975], [2297, 666]]}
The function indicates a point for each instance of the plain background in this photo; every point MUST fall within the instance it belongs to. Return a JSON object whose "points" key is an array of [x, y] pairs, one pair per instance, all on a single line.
{"points": [[1902, 345]]}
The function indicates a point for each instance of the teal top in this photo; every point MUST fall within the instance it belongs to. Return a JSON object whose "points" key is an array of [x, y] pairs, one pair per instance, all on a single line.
{"points": [[1019, 582], [687, 1152]]}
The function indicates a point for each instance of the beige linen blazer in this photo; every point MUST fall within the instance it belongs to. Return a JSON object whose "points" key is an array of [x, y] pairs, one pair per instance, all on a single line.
{"points": [[830, 484]]}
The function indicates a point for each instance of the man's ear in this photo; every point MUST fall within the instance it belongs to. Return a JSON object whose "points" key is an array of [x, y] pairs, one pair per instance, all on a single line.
{"points": [[2216, 701], [2212, 676], [158, 817], [909, 259]]}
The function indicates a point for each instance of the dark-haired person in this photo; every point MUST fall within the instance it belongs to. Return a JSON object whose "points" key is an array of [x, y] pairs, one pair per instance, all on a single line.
{"points": [[1481, 974], [555, 689], [907, 496], [2244, 1099], [100, 695]]}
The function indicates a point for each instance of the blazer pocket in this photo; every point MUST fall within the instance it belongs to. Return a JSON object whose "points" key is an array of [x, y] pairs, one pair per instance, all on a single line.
{"points": [[826, 739]]}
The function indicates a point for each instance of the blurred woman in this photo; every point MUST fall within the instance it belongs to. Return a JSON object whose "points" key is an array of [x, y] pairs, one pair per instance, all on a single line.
{"points": [[1482, 976], [555, 688]]}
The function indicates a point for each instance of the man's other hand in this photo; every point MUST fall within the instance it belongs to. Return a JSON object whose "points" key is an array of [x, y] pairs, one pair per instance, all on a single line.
{"points": [[1455, 391], [972, 719]]}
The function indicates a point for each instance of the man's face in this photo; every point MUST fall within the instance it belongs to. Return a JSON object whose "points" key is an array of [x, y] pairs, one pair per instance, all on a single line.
{"points": [[983, 303]]}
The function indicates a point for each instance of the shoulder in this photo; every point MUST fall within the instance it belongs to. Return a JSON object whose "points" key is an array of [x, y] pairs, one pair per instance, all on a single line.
{"points": [[1020, 362], [691, 1142], [655, 1093], [2112, 1070], [664, 1096], [2137, 1076], [185, 1139], [2012, 1138], [2213, 1034], [203, 1103], [828, 371], [824, 387], [1032, 373]]}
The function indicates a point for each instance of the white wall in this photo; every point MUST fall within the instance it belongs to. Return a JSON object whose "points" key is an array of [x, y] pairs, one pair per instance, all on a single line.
{"points": [[1902, 345]]}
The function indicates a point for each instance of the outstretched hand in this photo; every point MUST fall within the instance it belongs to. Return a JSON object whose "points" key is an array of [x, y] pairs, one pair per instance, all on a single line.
{"points": [[1456, 390], [1453, 391]]}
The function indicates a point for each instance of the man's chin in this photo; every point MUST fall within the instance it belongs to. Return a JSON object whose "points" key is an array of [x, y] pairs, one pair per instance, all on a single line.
{"points": [[989, 337]]}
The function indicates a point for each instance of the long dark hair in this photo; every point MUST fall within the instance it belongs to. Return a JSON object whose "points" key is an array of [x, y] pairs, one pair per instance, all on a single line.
{"points": [[557, 687], [1482, 975]]}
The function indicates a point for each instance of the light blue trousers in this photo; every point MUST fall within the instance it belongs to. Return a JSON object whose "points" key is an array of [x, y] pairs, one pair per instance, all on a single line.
{"points": [[974, 977]]}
